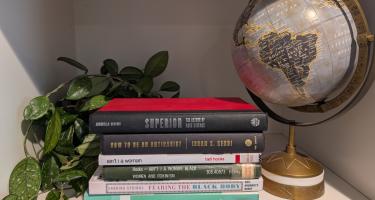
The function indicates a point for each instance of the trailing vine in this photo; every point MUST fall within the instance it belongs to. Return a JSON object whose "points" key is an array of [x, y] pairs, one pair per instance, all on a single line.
{"points": [[67, 157]]}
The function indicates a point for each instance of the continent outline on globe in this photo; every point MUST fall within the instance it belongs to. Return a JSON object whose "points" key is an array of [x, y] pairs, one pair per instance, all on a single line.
{"points": [[326, 63], [290, 53]]}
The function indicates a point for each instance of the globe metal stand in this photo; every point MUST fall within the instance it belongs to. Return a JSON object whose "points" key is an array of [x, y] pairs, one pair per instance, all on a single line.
{"points": [[290, 174]]}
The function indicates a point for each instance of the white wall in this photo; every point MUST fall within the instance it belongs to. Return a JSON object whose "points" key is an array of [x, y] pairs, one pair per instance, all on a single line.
{"points": [[346, 145], [33, 34], [198, 35]]}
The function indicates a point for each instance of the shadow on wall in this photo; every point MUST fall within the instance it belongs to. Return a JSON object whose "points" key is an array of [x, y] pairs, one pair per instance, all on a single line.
{"points": [[37, 40], [196, 33], [158, 13]]}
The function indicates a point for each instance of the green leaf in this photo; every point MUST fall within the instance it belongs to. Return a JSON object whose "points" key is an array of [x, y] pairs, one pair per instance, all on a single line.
{"points": [[99, 85], [53, 195], [50, 170], [157, 64], [176, 95], [80, 129], [56, 195], [155, 95], [90, 146], [91, 138], [62, 159], [65, 143], [52, 133], [103, 70], [131, 73], [89, 165], [111, 66], [74, 63], [79, 88], [71, 164], [11, 197], [67, 176], [114, 86], [79, 185], [89, 149], [145, 84], [170, 86], [123, 93], [37, 108], [94, 103], [66, 118], [67, 162], [136, 89], [25, 179]]}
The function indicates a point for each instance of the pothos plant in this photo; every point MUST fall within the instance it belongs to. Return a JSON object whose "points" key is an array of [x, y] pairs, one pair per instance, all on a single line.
{"points": [[68, 152]]}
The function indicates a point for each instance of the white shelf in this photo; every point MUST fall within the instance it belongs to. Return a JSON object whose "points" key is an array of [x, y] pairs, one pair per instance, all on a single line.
{"points": [[335, 187]]}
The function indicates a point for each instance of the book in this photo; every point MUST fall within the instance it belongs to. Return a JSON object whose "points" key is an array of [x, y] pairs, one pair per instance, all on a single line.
{"points": [[98, 186], [178, 159], [183, 172], [184, 196], [141, 115], [182, 143]]}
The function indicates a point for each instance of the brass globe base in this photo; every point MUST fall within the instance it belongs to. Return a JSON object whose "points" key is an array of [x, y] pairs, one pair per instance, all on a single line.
{"points": [[292, 175], [293, 192]]}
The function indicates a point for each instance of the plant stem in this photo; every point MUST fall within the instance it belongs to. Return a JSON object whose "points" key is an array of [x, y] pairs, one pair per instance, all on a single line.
{"points": [[104, 76], [36, 139], [38, 154], [36, 196], [33, 146], [27, 154]]}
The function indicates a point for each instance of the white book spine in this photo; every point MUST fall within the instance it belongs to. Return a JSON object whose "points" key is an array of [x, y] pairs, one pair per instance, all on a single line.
{"points": [[181, 186], [98, 186], [166, 159]]}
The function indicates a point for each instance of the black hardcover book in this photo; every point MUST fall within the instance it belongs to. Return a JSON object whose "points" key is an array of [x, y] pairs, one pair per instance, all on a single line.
{"points": [[178, 115], [121, 122], [184, 143]]}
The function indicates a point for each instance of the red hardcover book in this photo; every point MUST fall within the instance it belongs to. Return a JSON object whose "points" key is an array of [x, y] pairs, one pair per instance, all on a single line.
{"points": [[140, 115]]}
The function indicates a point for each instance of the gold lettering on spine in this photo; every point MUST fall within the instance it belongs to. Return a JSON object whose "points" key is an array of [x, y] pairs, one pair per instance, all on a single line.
{"points": [[150, 144], [115, 145]]}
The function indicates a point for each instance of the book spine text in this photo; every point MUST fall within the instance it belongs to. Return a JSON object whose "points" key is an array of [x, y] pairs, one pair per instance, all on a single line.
{"points": [[185, 172], [185, 186], [141, 122], [178, 159], [210, 143]]}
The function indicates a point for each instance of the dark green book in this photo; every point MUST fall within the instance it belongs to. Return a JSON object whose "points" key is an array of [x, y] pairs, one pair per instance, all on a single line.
{"points": [[183, 172]]}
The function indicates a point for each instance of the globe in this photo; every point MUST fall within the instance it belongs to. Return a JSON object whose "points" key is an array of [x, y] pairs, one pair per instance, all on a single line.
{"points": [[312, 56], [296, 52]]}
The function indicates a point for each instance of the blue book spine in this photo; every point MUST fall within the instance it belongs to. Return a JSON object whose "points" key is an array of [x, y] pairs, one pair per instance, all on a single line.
{"points": [[188, 196]]}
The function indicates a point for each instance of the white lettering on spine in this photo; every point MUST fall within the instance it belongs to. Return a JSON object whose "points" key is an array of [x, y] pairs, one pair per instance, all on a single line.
{"points": [[108, 124], [163, 123]]}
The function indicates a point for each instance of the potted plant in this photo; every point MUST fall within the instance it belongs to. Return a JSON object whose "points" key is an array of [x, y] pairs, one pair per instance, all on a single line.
{"points": [[67, 155]]}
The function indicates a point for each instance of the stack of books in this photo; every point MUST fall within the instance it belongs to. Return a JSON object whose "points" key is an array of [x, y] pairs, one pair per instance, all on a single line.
{"points": [[187, 148]]}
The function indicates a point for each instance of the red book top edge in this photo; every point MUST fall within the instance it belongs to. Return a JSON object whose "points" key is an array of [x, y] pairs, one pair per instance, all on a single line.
{"points": [[177, 104]]}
